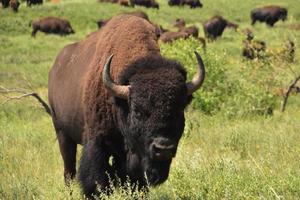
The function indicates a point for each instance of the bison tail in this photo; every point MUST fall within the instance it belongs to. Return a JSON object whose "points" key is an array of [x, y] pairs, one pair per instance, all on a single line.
{"points": [[30, 22]]}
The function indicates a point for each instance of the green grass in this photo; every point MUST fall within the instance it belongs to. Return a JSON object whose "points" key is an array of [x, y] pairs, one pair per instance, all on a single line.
{"points": [[228, 151]]}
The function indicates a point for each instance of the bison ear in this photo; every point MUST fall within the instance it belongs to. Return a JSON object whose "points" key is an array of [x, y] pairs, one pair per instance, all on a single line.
{"points": [[120, 91]]}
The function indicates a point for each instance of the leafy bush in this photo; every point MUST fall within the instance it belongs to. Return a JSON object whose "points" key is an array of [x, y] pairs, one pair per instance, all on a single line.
{"points": [[233, 96]]}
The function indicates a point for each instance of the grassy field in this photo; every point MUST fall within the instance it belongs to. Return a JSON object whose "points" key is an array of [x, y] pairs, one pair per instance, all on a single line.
{"points": [[236, 145]]}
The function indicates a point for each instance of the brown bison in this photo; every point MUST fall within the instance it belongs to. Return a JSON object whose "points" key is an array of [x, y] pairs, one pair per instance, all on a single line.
{"points": [[51, 25], [171, 36], [127, 109], [124, 2], [13, 4], [191, 3], [34, 2], [109, 1], [191, 30], [138, 13], [269, 14], [182, 29], [145, 3], [215, 26]]}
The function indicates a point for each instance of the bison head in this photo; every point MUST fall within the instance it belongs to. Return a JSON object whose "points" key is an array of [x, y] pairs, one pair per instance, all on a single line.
{"points": [[283, 14], [150, 115]]}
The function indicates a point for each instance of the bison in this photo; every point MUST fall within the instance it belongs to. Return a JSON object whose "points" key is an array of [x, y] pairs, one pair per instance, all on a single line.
{"points": [[115, 94], [34, 2], [184, 32], [269, 14], [170, 36], [51, 25], [215, 26], [13, 4], [145, 3], [191, 3]]}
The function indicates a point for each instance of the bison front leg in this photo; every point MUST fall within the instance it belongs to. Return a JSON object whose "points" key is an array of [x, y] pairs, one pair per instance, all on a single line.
{"points": [[94, 168], [34, 31]]}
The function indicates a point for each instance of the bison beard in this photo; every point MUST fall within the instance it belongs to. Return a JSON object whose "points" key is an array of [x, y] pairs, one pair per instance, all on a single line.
{"points": [[130, 110]]}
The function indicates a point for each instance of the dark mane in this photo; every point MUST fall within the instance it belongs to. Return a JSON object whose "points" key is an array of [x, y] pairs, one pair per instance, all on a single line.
{"points": [[148, 63]]}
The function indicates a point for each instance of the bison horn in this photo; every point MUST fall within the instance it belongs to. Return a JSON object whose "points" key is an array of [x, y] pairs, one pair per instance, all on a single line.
{"points": [[198, 79], [120, 91]]}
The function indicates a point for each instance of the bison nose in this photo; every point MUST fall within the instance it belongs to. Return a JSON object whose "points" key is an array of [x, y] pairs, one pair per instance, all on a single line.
{"points": [[163, 152]]}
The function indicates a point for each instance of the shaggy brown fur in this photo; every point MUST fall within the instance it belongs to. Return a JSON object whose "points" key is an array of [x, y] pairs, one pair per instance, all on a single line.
{"points": [[137, 13], [84, 112]]}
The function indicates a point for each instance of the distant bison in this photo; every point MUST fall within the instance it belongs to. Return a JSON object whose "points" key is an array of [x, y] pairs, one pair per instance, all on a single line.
{"points": [[124, 2], [145, 3], [13, 4], [171, 36], [34, 2], [52, 25], [109, 1], [269, 14], [191, 3], [190, 31], [215, 26], [127, 109]]}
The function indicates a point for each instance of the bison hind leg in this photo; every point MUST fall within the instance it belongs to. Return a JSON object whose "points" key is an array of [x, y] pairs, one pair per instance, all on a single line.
{"points": [[68, 151], [94, 169]]}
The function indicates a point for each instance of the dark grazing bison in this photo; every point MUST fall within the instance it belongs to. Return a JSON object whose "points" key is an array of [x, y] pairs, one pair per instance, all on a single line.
{"points": [[34, 2], [128, 109], [191, 3], [215, 26], [51, 25], [145, 3], [269, 14]]}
